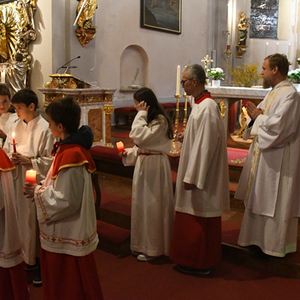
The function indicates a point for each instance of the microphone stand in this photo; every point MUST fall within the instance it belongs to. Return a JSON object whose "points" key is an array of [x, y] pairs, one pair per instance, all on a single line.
{"points": [[64, 65]]}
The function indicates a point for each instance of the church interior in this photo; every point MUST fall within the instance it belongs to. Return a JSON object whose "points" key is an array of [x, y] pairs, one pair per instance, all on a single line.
{"points": [[101, 52]]}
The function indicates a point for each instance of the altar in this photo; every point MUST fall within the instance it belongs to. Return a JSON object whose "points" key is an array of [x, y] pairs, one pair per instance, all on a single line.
{"points": [[232, 99], [96, 108]]}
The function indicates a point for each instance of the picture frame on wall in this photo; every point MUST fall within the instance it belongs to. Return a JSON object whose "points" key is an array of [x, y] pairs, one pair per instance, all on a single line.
{"points": [[163, 15]]}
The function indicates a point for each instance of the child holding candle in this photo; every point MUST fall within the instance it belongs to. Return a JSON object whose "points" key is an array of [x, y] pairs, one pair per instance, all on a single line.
{"points": [[152, 209], [34, 142], [66, 210], [7, 114], [13, 283]]}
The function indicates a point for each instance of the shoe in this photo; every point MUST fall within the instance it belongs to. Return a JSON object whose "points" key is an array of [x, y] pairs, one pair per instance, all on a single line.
{"points": [[31, 267], [193, 271], [37, 281], [145, 257], [135, 253]]}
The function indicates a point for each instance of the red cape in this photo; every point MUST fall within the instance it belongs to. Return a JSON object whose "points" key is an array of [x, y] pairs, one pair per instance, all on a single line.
{"points": [[72, 155], [5, 163]]}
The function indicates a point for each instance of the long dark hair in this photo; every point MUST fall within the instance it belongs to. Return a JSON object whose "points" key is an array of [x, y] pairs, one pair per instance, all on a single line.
{"points": [[155, 109]]}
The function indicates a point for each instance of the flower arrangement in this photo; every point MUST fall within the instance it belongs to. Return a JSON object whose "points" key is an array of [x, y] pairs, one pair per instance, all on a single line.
{"points": [[245, 75], [216, 73], [294, 75]]}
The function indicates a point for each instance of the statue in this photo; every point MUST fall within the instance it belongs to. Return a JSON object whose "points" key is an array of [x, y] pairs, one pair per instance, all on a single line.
{"points": [[17, 31], [243, 28], [85, 12]]}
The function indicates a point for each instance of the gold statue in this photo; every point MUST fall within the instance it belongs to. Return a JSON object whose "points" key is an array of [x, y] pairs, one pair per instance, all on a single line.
{"points": [[243, 28], [85, 13], [17, 31]]}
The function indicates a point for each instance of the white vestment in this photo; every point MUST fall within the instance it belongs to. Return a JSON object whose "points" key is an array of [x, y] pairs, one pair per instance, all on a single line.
{"points": [[269, 183], [152, 210], [6, 121], [34, 140], [66, 212], [203, 162], [11, 251]]}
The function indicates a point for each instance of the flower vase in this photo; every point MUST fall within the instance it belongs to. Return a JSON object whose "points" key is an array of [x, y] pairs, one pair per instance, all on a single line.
{"points": [[216, 83]]}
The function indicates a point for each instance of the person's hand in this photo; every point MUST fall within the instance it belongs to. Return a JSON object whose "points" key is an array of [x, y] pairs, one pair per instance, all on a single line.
{"points": [[142, 106], [123, 153], [29, 189], [253, 111], [180, 136], [19, 159], [188, 186]]}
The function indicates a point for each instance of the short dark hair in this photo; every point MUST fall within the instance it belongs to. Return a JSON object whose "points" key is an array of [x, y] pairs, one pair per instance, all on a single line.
{"points": [[4, 90], [196, 71], [25, 96], [65, 111], [280, 61]]}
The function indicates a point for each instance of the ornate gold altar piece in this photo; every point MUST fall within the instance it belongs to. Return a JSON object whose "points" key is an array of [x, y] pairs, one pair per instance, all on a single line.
{"points": [[174, 149], [17, 31], [66, 81], [96, 108], [206, 60], [84, 18]]}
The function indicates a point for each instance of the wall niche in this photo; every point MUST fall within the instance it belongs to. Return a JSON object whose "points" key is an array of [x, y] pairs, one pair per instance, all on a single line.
{"points": [[134, 68]]}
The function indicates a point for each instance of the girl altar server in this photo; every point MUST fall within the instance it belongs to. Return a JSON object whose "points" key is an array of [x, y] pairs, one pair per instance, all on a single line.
{"points": [[152, 211], [13, 283]]}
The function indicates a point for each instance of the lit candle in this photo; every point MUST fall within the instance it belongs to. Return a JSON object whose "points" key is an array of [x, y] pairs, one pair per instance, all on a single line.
{"points": [[14, 142], [31, 176], [277, 48], [120, 146], [178, 80], [266, 54], [2, 77]]}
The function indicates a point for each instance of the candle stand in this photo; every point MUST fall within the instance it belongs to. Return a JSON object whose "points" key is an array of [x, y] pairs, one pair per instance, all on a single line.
{"points": [[174, 149], [185, 113]]}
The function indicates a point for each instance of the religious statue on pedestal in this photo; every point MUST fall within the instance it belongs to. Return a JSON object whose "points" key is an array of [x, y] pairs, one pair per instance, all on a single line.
{"points": [[243, 31]]}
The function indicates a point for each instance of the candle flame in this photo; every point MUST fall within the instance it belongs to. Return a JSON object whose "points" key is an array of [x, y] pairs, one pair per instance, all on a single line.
{"points": [[13, 135]]}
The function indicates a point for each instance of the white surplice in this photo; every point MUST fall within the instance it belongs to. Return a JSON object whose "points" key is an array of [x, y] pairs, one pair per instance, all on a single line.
{"points": [[6, 121], [152, 210], [34, 140], [269, 183], [203, 162], [11, 251], [66, 212]]}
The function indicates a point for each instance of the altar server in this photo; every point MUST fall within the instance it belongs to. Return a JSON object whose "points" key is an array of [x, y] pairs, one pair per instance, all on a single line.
{"points": [[7, 114], [32, 150], [13, 283], [66, 210], [152, 210], [269, 183], [202, 187]]}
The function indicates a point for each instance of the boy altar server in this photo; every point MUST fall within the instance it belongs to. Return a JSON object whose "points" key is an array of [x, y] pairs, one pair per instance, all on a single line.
{"points": [[34, 142], [13, 283], [66, 210]]}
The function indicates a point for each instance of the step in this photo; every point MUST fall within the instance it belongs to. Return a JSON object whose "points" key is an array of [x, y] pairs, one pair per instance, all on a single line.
{"points": [[113, 239]]}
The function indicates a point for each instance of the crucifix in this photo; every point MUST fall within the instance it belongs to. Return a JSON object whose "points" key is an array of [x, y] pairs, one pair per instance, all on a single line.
{"points": [[206, 60]]}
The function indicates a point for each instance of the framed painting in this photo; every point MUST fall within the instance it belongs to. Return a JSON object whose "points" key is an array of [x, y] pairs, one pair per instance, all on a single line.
{"points": [[164, 15]]}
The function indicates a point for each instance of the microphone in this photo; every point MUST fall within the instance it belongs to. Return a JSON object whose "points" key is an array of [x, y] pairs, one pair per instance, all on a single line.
{"points": [[64, 65]]}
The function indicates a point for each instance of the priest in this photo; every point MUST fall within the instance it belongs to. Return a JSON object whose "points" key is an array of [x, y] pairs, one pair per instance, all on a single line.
{"points": [[202, 187], [269, 183]]}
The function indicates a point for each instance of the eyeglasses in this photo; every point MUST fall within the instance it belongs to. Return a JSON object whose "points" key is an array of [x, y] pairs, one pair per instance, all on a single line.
{"points": [[184, 81]]}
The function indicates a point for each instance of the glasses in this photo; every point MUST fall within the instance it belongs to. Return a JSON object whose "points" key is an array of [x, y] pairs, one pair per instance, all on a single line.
{"points": [[184, 81]]}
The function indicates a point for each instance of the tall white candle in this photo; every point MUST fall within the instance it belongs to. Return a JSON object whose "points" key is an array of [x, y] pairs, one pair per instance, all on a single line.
{"points": [[267, 44], [289, 52], [277, 48], [2, 77], [178, 80]]}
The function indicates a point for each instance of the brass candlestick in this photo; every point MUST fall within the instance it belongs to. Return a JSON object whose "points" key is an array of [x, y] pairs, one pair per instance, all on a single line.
{"points": [[174, 150], [185, 112]]}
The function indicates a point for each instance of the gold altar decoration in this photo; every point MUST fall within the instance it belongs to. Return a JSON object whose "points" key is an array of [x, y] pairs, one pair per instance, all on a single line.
{"points": [[243, 31], [222, 108], [17, 31], [245, 75], [108, 111], [206, 60], [84, 18], [66, 81], [174, 149], [185, 112]]}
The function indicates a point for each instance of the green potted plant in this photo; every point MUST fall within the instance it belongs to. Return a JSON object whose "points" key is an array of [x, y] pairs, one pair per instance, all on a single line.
{"points": [[217, 74]]}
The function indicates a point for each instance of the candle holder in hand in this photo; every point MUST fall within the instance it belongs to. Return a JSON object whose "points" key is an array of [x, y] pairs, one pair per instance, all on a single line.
{"points": [[120, 146]]}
